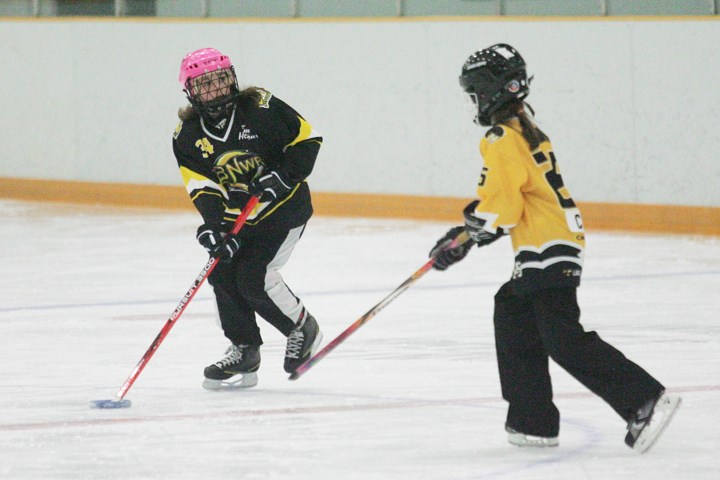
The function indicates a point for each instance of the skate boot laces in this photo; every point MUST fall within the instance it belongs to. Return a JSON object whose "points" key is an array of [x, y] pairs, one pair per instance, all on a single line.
{"points": [[233, 354], [295, 343]]}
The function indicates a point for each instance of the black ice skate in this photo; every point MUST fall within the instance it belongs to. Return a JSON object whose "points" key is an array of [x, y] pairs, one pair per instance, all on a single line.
{"points": [[236, 370], [649, 422], [520, 439], [302, 343]]}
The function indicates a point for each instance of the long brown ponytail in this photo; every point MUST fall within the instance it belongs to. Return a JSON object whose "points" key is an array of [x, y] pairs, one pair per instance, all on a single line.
{"points": [[530, 131]]}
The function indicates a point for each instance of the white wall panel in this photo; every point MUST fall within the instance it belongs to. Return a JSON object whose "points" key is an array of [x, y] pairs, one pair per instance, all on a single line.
{"points": [[631, 106]]}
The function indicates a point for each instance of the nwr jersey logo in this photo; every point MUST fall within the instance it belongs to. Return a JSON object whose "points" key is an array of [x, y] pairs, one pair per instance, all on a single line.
{"points": [[237, 168]]}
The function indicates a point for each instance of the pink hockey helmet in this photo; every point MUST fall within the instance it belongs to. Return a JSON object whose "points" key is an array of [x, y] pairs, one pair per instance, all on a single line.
{"points": [[214, 95], [200, 62]]}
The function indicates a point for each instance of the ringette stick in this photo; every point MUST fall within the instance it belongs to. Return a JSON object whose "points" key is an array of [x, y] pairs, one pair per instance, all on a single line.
{"points": [[462, 238], [119, 401]]}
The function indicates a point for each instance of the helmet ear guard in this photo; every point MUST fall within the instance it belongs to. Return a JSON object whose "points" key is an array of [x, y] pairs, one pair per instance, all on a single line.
{"points": [[493, 77]]}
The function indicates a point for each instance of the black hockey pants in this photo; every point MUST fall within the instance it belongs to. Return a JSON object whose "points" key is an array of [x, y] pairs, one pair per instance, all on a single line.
{"points": [[252, 284], [546, 323]]}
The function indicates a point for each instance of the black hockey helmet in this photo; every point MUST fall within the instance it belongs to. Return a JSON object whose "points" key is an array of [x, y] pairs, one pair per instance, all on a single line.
{"points": [[493, 77]]}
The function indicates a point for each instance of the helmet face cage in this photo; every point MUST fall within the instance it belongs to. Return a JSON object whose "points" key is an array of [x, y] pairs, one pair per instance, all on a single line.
{"points": [[493, 77], [213, 94]]}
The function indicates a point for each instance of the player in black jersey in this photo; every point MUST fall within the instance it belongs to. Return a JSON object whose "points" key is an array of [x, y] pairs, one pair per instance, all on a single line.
{"points": [[231, 144], [521, 193]]}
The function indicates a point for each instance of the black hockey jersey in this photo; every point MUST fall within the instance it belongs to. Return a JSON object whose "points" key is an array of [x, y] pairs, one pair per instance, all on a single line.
{"points": [[218, 162], [522, 192]]}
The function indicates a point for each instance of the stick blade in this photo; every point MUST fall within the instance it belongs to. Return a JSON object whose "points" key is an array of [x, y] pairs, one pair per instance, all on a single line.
{"points": [[110, 403]]}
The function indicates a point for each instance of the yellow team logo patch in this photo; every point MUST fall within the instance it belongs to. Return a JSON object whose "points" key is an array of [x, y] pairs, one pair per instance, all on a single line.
{"points": [[177, 130], [492, 138], [495, 134], [265, 97]]}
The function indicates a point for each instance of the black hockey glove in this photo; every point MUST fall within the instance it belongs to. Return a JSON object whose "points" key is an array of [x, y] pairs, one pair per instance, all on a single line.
{"points": [[444, 257], [217, 242], [270, 186], [474, 226]]}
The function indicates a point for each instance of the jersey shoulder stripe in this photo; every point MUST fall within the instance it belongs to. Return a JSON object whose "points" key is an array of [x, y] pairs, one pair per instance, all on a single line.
{"points": [[306, 132]]}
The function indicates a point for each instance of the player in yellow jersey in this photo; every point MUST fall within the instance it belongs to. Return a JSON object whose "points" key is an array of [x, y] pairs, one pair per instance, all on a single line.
{"points": [[521, 194]]}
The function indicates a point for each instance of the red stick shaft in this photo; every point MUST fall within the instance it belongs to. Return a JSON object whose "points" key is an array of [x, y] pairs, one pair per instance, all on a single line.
{"points": [[175, 315], [307, 365], [361, 321]]}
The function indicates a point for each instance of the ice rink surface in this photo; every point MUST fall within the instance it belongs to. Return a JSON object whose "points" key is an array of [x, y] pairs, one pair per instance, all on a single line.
{"points": [[413, 394]]}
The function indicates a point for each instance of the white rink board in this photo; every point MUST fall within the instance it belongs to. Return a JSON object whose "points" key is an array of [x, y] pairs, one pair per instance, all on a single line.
{"points": [[628, 103]]}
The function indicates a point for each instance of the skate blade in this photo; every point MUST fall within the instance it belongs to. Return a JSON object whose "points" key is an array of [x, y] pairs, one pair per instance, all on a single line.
{"points": [[666, 406], [523, 440], [107, 404], [246, 380], [530, 441]]}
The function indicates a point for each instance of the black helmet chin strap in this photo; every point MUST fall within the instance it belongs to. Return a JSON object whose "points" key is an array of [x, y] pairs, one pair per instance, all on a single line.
{"points": [[217, 110], [218, 118], [222, 87]]}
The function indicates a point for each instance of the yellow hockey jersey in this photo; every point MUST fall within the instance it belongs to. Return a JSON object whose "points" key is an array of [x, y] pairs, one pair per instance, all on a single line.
{"points": [[522, 192]]}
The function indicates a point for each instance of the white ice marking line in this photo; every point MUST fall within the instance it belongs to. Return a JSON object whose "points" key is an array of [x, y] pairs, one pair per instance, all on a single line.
{"points": [[389, 404], [357, 291], [318, 409]]}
